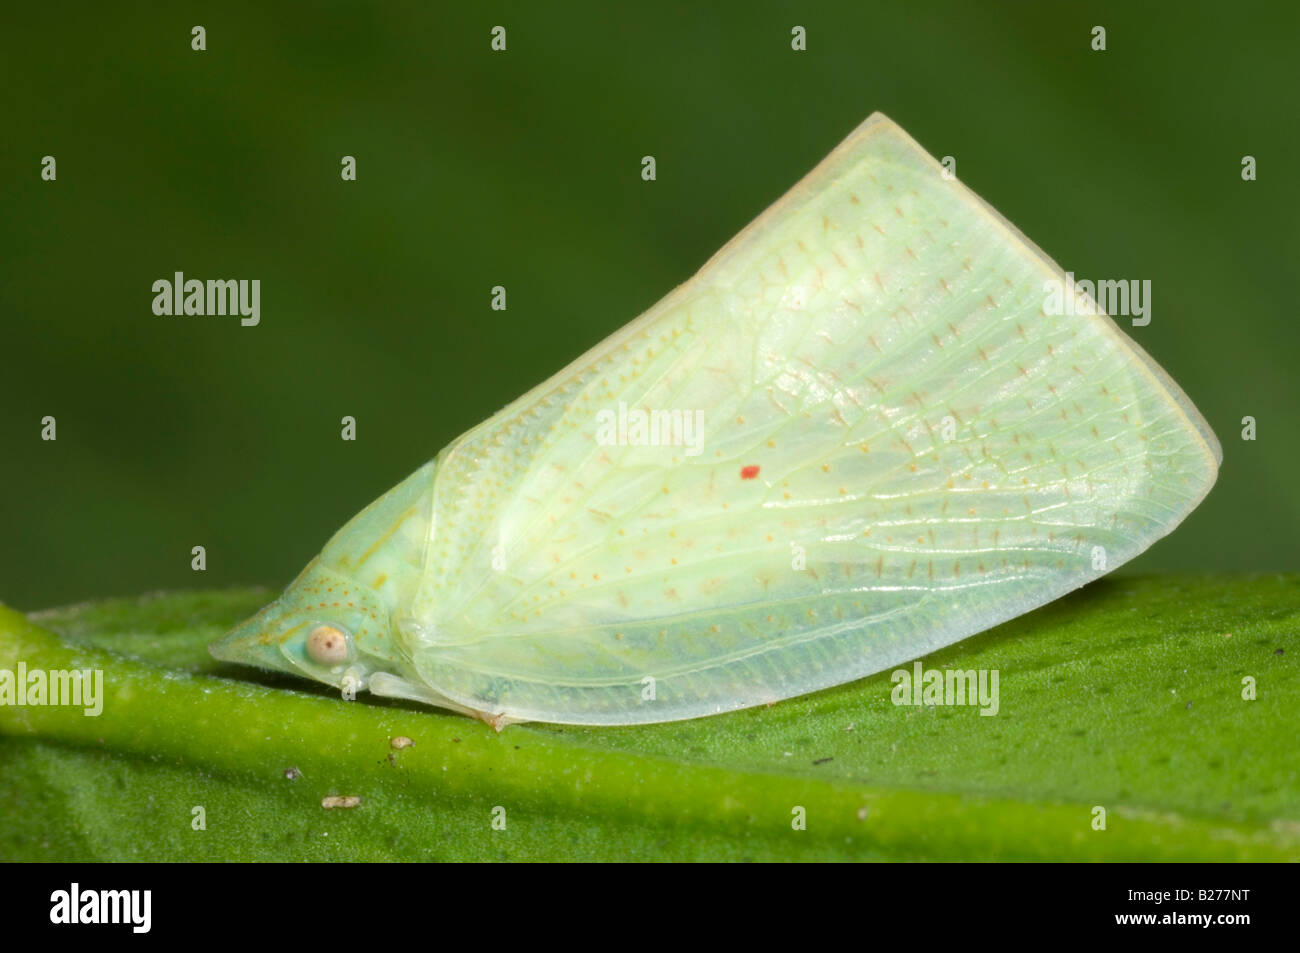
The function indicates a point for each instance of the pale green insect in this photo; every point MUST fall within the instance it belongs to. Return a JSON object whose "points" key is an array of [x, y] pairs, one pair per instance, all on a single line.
{"points": [[882, 445]]}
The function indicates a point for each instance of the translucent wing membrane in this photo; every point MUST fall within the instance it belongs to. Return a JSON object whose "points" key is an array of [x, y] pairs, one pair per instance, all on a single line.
{"points": [[864, 440]]}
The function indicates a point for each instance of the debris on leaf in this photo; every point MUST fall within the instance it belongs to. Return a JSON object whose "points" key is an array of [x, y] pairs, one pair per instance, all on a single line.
{"points": [[339, 800]]}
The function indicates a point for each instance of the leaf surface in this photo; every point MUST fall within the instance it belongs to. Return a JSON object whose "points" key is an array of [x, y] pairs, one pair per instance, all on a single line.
{"points": [[1126, 695]]}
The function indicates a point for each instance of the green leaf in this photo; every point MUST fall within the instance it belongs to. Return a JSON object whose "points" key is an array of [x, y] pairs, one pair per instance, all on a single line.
{"points": [[1127, 695]]}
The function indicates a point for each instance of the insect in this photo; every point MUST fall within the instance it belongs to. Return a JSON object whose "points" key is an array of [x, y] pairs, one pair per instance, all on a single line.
{"points": [[855, 436]]}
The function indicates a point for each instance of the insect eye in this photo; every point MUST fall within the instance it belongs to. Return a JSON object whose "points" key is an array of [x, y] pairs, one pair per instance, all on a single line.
{"points": [[329, 645]]}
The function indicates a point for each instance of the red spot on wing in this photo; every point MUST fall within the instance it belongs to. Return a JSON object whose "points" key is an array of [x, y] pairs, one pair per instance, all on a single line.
{"points": [[749, 472]]}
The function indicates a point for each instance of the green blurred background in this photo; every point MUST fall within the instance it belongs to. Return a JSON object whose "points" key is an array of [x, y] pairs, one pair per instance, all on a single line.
{"points": [[522, 169]]}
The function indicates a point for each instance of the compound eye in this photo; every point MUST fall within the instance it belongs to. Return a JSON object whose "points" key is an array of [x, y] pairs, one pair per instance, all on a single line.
{"points": [[329, 645]]}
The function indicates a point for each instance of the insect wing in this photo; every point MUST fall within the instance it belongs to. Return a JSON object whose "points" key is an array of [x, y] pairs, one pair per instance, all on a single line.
{"points": [[854, 437]]}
